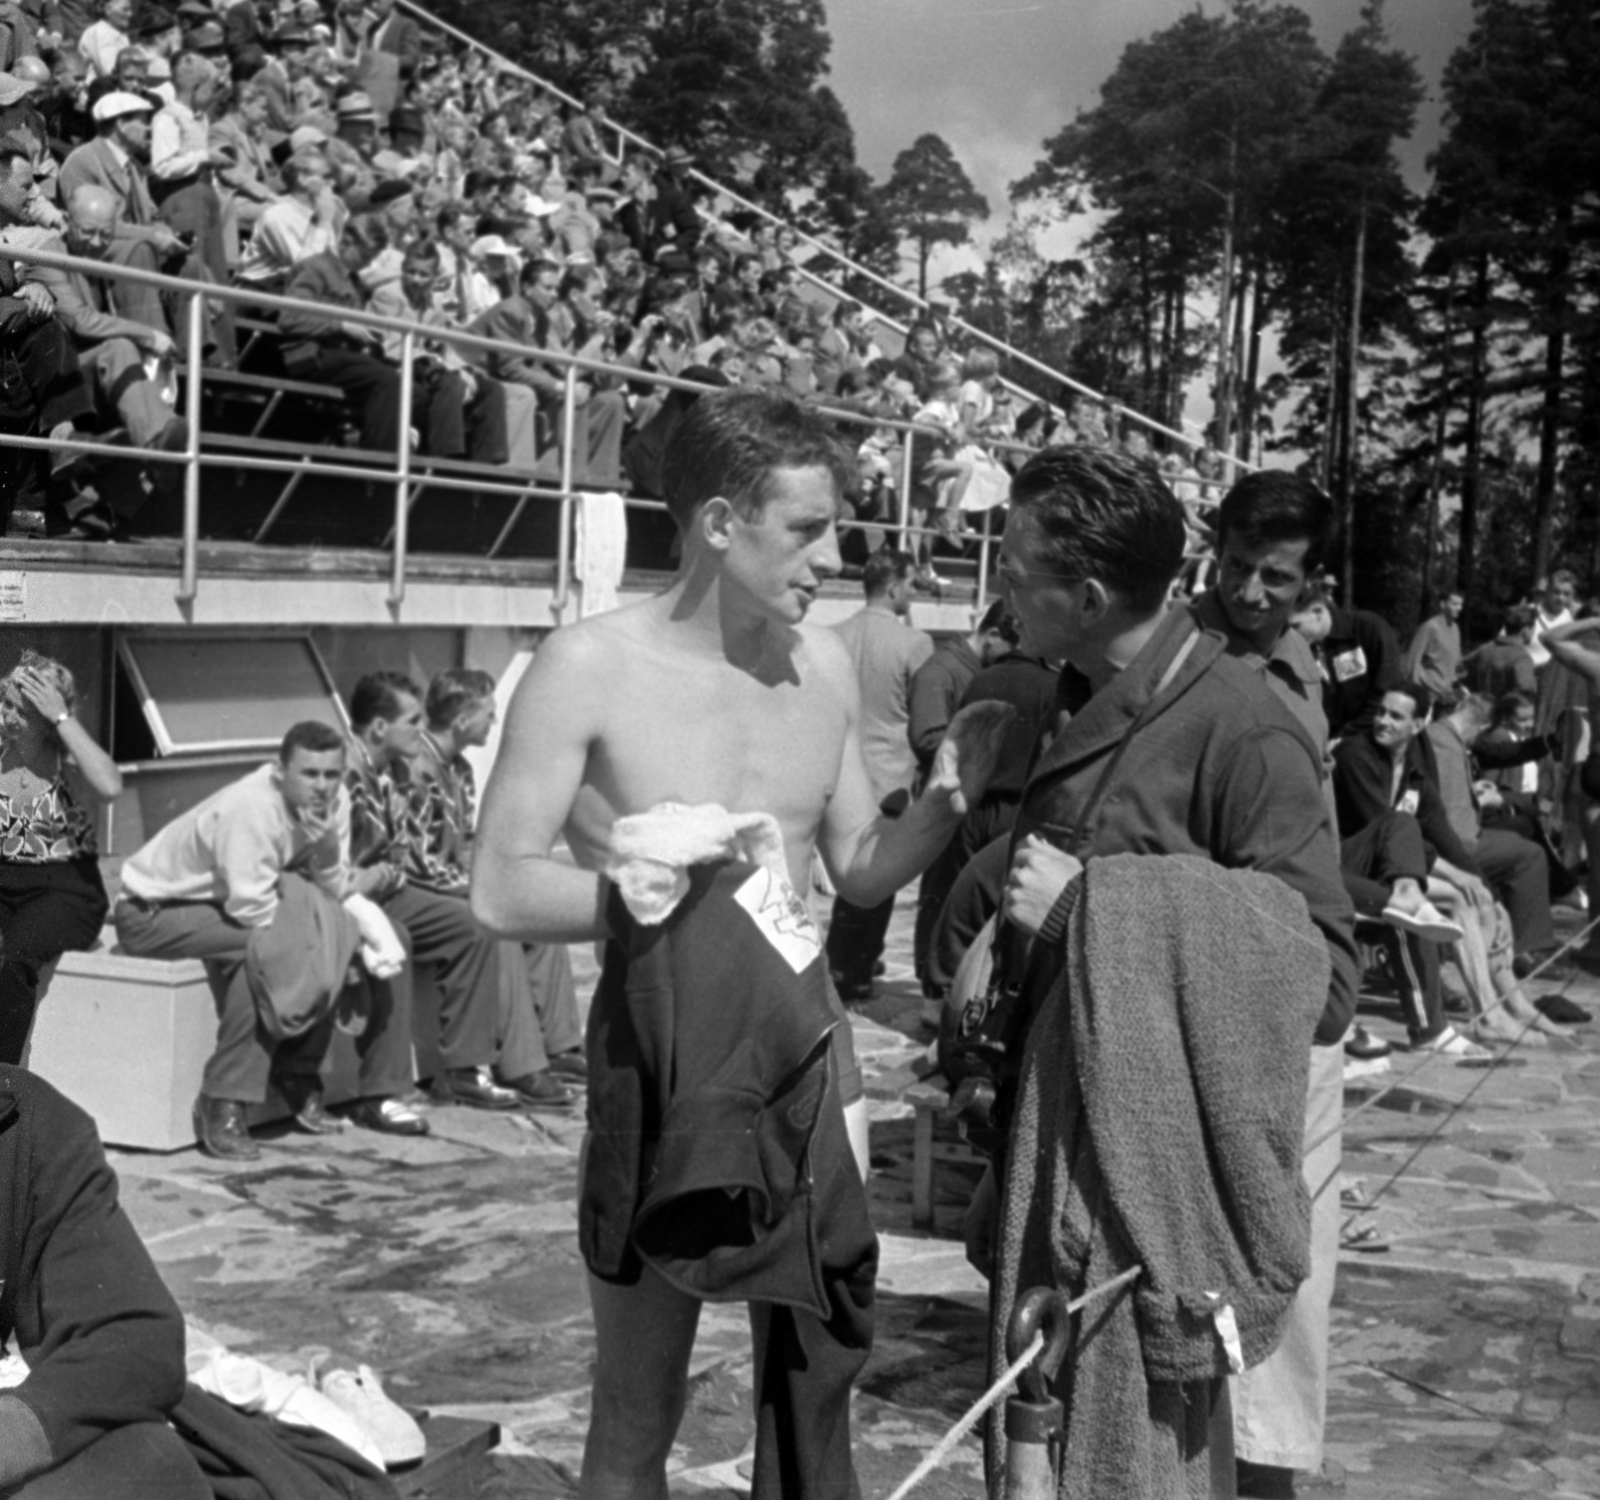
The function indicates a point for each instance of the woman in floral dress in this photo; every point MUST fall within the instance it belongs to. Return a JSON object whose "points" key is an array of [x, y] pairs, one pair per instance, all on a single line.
{"points": [[51, 894]]}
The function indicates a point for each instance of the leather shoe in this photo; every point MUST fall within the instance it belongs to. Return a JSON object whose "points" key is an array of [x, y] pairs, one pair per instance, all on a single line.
{"points": [[572, 1067], [220, 1129], [313, 1116], [541, 1091], [472, 1087], [387, 1117]]}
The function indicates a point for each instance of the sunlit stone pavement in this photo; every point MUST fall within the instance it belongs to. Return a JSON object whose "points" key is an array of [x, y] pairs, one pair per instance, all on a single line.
{"points": [[1466, 1356]]}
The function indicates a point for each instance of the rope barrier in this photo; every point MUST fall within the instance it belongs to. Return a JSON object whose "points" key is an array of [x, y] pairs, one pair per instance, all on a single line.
{"points": [[975, 1413], [1435, 1056]]}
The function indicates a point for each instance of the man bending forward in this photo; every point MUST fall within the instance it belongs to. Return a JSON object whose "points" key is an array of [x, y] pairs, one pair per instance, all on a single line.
{"points": [[712, 692]]}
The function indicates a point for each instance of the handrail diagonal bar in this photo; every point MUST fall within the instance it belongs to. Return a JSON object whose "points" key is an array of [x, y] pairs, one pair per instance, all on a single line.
{"points": [[832, 252]]}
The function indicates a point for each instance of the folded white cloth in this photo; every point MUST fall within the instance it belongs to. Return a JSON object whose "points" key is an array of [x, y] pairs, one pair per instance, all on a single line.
{"points": [[651, 852], [251, 1385], [381, 949]]}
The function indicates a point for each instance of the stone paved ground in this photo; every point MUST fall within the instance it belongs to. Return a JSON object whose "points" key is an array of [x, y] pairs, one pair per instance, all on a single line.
{"points": [[1466, 1357]]}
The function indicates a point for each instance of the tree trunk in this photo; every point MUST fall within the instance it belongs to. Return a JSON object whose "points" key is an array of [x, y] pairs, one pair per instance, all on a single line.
{"points": [[1352, 396], [1174, 412], [1472, 465], [1559, 270], [1249, 397], [1333, 406], [1222, 419], [1441, 431]]}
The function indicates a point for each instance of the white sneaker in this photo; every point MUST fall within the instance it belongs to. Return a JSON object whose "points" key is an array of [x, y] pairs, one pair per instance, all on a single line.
{"points": [[360, 1393], [1453, 1044]]}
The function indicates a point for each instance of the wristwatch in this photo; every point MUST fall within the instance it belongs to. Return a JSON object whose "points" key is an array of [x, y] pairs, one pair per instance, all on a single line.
{"points": [[62, 717]]}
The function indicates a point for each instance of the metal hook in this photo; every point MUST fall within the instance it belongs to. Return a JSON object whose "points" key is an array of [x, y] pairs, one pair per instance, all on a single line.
{"points": [[1042, 1310]]}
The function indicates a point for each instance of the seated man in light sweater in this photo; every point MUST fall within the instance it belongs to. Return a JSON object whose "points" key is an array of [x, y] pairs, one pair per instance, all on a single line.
{"points": [[210, 879]]}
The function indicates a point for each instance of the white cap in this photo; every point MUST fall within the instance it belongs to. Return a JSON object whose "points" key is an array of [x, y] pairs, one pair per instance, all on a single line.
{"points": [[492, 244], [114, 105]]}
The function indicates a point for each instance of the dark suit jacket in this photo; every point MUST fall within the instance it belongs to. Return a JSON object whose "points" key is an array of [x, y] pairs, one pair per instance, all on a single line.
{"points": [[84, 306], [95, 162]]}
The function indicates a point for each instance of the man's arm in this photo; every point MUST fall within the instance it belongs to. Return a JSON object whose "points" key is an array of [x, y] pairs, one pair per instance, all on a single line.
{"points": [[1264, 800], [249, 864], [870, 856], [79, 317], [518, 890]]}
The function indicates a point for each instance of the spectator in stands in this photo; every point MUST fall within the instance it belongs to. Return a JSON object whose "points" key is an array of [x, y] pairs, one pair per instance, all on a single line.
{"points": [[397, 34], [922, 356], [672, 218], [44, 394], [1358, 656], [386, 717], [1505, 665], [112, 347], [116, 160], [308, 220], [600, 416], [538, 1018], [51, 895], [1513, 867], [350, 151], [1434, 656], [261, 863], [887, 652], [101, 42], [327, 348], [249, 180], [246, 27], [460, 413]]}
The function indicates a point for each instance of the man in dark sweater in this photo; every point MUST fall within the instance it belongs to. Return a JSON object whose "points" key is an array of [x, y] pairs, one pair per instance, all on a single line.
{"points": [[1359, 657], [101, 1335]]}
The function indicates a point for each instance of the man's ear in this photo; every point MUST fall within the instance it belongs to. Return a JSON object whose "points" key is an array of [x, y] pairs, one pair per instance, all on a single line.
{"points": [[1096, 601], [716, 522]]}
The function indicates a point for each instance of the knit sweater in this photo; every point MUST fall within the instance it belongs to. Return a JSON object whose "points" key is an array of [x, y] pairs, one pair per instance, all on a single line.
{"points": [[1159, 1124]]}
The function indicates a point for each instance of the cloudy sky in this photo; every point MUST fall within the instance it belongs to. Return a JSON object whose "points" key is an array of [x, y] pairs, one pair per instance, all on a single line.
{"points": [[996, 77]]}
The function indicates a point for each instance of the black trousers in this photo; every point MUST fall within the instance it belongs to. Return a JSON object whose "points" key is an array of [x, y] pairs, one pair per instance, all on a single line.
{"points": [[372, 385], [41, 385], [44, 910]]}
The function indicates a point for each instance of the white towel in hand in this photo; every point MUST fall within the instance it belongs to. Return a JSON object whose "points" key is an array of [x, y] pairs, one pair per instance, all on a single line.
{"points": [[381, 949], [651, 852]]}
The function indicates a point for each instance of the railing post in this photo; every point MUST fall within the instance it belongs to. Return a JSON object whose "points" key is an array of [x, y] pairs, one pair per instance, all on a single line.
{"points": [[564, 538], [189, 583], [983, 563], [402, 472], [905, 489]]}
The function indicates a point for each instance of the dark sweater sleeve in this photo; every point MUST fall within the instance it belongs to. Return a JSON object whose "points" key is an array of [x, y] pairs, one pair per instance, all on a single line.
{"points": [[1499, 755], [102, 1337], [932, 706], [1271, 817]]}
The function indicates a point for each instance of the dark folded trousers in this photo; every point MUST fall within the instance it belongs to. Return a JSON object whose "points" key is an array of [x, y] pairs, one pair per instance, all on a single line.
{"points": [[45, 909], [438, 931], [144, 1461]]}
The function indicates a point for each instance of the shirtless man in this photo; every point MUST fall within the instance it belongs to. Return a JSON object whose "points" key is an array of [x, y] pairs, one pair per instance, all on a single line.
{"points": [[712, 692]]}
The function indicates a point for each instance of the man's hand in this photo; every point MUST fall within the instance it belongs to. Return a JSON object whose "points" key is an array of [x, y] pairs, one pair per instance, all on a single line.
{"points": [[37, 300], [166, 242], [1487, 794], [155, 342], [375, 881], [966, 757], [1039, 874]]}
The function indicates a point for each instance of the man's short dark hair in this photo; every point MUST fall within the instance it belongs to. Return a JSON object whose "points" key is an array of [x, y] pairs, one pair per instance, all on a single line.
{"points": [[1104, 515], [1421, 697], [1518, 618], [312, 736], [731, 441], [1507, 706], [998, 620], [456, 689], [1273, 505], [886, 566], [377, 696]]}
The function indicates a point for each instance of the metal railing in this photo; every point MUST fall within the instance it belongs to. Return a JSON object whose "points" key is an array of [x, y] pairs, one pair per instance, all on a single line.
{"points": [[1116, 409], [402, 472]]}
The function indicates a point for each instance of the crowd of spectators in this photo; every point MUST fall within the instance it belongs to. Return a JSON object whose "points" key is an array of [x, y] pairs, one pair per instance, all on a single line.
{"points": [[331, 151]]}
